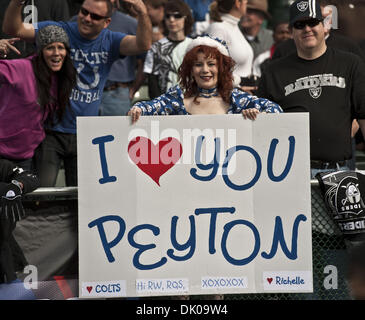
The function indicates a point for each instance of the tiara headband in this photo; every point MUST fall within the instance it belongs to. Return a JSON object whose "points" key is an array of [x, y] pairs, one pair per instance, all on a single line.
{"points": [[207, 40]]}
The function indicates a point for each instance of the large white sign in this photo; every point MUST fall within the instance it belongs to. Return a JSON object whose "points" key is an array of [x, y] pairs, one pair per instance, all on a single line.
{"points": [[194, 205]]}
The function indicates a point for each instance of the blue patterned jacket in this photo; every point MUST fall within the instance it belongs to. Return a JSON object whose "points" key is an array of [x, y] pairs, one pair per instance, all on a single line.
{"points": [[172, 103]]}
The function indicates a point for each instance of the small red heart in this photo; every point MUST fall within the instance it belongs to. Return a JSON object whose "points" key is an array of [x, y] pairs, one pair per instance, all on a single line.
{"points": [[155, 160], [89, 289], [269, 280]]}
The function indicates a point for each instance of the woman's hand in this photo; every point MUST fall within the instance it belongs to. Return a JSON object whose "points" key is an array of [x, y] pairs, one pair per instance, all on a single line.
{"points": [[135, 113], [250, 113], [6, 45]]}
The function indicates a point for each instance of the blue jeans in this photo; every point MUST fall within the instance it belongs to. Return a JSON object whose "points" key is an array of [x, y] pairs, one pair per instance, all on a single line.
{"points": [[115, 102], [340, 168], [315, 171]]}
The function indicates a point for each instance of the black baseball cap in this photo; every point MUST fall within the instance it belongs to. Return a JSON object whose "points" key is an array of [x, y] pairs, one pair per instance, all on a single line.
{"points": [[302, 9]]}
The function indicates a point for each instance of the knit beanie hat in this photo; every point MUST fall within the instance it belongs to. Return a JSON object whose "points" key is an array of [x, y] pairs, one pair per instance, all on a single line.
{"points": [[50, 34]]}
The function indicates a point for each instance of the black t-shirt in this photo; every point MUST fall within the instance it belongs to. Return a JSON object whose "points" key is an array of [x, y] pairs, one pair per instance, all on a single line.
{"points": [[331, 88]]}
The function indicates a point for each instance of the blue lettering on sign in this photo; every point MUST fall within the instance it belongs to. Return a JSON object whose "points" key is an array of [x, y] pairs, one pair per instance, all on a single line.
{"points": [[174, 284], [99, 223], [213, 220], [227, 229], [214, 164], [190, 244], [223, 282], [153, 285], [278, 238], [231, 152], [181, 247], [142, 248], [104, 166], [289, 162], [110, 288]]}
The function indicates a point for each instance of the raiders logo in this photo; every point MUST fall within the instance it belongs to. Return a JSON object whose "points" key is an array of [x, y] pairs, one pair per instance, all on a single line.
{"points": [[302, 6], [315, 92], [348, 197]]}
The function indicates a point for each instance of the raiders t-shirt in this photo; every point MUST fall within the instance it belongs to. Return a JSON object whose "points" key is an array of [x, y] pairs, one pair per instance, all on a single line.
{"points": [[331, 88]]}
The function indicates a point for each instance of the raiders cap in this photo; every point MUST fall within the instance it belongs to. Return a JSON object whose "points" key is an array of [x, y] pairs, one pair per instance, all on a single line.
{"points": [[305, 9]]}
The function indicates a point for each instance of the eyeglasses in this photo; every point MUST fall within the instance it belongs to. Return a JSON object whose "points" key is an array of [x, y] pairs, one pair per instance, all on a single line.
{"points": [[93, 16], [175, 15], [310, 23]]}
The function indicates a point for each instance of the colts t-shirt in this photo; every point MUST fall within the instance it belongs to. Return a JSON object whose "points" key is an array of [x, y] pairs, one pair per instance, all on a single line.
{"points": [[92, 60]]}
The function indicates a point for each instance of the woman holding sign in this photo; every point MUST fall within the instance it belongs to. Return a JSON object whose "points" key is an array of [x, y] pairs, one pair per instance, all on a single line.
{"points": [[33, 90], [206, 87]]}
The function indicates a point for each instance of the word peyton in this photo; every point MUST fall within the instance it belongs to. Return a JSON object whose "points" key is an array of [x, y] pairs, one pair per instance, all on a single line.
{"points": [[190, 244]]}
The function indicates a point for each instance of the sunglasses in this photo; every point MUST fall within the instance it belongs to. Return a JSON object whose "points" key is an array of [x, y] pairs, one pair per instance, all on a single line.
{"points": [[93, 16], [176, 15], [310, 23]]}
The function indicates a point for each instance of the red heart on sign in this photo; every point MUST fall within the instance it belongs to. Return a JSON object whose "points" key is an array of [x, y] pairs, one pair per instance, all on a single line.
{"points": [[269, 280], [89, 289], [155, 160]]}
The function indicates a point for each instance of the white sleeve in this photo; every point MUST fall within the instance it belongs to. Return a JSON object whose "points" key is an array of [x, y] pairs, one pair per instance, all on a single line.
{"points": [[148, 62]]}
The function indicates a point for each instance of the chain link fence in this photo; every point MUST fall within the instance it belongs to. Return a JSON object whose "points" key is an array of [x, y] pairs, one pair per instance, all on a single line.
{"points": [[329, 259]]}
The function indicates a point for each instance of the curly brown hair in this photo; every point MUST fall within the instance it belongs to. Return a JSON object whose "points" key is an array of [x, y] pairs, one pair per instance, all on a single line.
{"points": [[225, 72]]}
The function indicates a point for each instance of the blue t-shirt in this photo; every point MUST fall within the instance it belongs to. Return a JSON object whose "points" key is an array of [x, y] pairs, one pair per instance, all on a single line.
{"points": [[92, 60], [200, 8], [123, 70]]}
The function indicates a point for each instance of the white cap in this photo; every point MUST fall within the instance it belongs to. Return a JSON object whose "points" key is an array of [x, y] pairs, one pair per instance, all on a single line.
{"points": [[207, 40]]}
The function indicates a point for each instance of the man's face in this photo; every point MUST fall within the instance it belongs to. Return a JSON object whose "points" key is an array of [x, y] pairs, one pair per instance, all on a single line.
{"points": [[281, 33], [252, 18], [92, 18], [308, 34]]}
